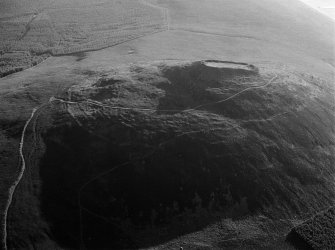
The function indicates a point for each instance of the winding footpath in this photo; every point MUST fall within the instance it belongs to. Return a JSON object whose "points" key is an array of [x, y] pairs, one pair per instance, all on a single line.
{"points": [[12, 189], [18, 179]]}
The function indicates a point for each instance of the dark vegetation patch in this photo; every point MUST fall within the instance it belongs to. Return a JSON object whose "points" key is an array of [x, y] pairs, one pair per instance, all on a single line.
{"points": [[17, 61], [151, 190]]}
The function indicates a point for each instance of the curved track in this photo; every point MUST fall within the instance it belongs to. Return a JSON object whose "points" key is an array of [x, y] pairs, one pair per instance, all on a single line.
{"points": [[233, 96], [19, 177]]}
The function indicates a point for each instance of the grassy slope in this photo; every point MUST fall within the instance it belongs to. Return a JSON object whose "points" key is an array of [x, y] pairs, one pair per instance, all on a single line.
{"points": [[267, 31], [289, 23]]}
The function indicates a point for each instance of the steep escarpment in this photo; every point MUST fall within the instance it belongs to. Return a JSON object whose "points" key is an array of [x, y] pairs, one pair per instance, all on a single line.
{"points": [[170, 147]]}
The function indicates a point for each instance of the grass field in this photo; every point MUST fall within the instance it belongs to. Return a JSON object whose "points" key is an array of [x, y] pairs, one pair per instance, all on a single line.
{"points": [[38, 29]]}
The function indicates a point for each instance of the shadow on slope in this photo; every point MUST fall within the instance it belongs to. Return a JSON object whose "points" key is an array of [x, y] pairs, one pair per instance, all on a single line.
{"points": [[144, 177], [152, 186]]}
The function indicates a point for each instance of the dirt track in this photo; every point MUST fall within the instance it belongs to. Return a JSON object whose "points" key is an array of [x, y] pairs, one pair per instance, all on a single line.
{"points": [[19, 177]]}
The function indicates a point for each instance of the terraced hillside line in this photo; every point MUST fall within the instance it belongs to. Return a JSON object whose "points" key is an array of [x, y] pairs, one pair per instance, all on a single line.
{"points": [[96, 103], [234, 95], [99, 104], [93, 102], [18, 179]]}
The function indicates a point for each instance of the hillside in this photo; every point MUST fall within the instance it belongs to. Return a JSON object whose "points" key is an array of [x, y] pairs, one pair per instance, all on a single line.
{"points": [[216, 132]]}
